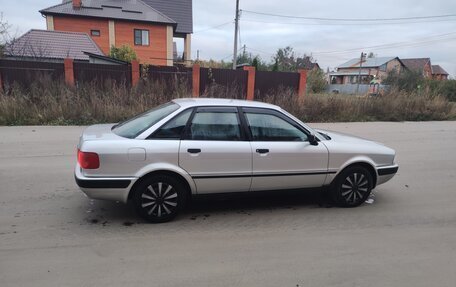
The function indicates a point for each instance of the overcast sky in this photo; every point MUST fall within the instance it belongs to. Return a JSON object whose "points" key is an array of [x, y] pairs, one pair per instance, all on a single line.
{"points": [[330, 42]]}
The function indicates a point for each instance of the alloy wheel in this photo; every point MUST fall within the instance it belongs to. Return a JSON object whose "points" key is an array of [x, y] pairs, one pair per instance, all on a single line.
{"points": [[159, 199], [355, 187]]}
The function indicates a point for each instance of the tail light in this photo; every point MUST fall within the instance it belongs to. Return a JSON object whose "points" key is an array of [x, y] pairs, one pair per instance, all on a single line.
{"points": [[88, 160]]}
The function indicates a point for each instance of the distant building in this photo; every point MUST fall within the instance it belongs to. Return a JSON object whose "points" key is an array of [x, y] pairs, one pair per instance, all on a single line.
{"points": [[148, 26], [438, 73], [419, 65], [370, 68]]}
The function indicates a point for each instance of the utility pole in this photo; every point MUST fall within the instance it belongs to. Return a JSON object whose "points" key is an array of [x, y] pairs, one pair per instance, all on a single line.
{"points": [[197, 55], [236, 27], [363, 57]]}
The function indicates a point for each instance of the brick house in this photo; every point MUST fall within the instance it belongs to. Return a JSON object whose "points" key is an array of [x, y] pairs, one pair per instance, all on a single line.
{"points": [[419, 65], [370, 68], [438, 73], [148, 26]]}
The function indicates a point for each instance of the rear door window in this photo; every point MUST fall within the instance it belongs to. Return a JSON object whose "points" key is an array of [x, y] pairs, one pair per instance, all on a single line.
{"points": [[218, 124]]}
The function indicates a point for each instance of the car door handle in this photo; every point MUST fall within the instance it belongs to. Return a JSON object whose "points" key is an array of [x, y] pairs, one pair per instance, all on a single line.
{"points": [[194, 150], [262, 150]]}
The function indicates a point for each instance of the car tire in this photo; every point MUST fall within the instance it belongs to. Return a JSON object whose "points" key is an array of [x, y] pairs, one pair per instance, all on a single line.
{"points": [[159, 198], [352, 187]]}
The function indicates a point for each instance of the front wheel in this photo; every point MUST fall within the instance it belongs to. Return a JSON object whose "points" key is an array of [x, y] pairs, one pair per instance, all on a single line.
{"points": [[159, 198], [352, 187]]}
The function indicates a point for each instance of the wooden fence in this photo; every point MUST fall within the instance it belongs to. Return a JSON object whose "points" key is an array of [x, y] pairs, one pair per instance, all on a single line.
{"points": [[101, 73], [223, 83], [268, 82], [243, 83], [169, 76], [25, 72]]}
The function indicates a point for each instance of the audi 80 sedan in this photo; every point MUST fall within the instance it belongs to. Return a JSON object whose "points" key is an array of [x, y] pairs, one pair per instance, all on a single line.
{"points": [[161, 158]]}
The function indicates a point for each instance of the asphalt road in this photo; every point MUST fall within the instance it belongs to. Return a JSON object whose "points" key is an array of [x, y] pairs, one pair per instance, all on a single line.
{"points": [[52, 235]]}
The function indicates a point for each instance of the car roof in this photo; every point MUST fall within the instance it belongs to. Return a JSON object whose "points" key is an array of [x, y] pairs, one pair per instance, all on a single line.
{"points": [[196, 102]]}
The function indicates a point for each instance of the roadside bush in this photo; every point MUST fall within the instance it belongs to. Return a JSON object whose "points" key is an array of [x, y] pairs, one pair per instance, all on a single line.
{"points": [[49, 102], [394, 106], [408, 81], [316, 81], [412, 82]]}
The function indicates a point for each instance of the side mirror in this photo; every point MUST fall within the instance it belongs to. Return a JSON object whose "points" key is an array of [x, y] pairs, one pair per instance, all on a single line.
{"points": [[313, 139]]}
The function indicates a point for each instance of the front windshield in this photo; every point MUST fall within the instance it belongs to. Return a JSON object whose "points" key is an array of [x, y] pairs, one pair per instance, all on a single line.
{"points": [[135, 126]]}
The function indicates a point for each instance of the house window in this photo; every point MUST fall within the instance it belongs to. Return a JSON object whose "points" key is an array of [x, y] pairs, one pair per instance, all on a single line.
{"points": [[95, 33], [141, 37]]}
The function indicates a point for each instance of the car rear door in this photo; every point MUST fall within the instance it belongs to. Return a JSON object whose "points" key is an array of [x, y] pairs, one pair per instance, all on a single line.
{"points": [[283, 157], [215, 151]]}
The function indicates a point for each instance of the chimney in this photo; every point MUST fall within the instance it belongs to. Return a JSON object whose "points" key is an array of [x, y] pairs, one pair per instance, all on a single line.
{"points": [[77, 4]]}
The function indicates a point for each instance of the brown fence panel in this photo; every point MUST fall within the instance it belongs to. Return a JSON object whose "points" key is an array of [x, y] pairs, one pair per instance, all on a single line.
{"points": [[101, 73], [171, 77], [268, 82], [26, 72], [223, 83]]}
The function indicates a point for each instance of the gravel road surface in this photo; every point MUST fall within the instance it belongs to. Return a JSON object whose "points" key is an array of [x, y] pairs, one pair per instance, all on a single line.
{"points": [[52, 235]]}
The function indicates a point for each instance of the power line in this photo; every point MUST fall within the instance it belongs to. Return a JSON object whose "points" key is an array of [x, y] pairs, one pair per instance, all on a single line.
{"points": [[345, 24], [429, 39], [231, 55], [351, 19], [213, 27], [259, 51]]}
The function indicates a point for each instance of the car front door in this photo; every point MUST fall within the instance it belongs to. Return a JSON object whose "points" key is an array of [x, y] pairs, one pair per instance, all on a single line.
{"points": [[215, 152], [283, 157]]}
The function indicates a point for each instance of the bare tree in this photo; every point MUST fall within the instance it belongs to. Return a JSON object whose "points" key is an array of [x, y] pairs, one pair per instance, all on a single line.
{"points": [[4, 29]]}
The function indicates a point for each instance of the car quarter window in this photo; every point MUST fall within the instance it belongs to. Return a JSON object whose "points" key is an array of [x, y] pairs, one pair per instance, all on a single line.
{"points": [[174, 128], [269, 127], [215, 124]]}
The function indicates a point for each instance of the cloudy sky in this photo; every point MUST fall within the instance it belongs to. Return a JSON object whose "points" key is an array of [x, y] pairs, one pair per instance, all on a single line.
{"points": [[331, 42]]}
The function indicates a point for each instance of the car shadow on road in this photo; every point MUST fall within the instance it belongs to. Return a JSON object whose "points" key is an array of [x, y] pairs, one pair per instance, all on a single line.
{"points": [[264, 200], [107, 213]]}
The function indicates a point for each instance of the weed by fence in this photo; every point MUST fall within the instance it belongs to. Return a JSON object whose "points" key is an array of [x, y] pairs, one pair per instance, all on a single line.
{"points": [[52, 102]]}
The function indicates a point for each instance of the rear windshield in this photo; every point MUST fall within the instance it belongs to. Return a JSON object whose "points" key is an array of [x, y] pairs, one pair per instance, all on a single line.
{"points": [[135, 126]]}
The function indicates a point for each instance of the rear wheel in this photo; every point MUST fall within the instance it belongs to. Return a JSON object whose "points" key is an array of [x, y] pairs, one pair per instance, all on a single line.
{"points": [[159, 198], [352, 187]]}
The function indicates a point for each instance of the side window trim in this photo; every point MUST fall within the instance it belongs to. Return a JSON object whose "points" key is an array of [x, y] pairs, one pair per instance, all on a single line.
{"points": [[245, 127], [221, 109], [270, 112]]}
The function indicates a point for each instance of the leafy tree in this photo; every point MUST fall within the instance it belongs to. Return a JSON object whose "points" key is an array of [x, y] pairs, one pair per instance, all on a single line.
{"points": [[255, 63], [286, 60], [124, 53], [316, 81], [405, 81]]}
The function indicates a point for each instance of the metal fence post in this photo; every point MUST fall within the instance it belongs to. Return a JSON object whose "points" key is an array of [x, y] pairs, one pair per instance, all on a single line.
{"points": [[134, 73], [196, 81], [250, 83], [69, 71], [302, 83]]}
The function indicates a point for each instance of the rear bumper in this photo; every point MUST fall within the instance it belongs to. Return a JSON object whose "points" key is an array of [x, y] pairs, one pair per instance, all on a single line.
{"points": [[385, 173], [114, 189]]}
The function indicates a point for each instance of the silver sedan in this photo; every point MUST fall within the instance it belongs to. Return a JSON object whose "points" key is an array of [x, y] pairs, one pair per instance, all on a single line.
{"points": [[161, 158]]}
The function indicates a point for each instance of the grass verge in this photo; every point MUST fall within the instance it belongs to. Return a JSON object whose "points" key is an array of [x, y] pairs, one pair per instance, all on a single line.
{"points": [[48, 102]]}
